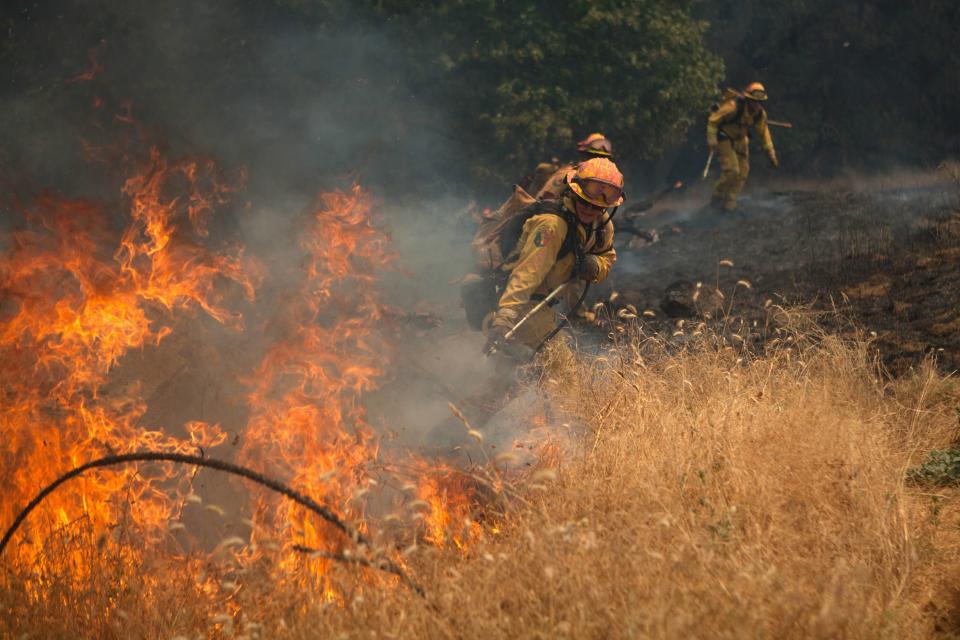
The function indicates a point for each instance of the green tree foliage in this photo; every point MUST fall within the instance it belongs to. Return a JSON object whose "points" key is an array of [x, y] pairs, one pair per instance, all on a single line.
{"points": [[527, 78], [523, 80]]}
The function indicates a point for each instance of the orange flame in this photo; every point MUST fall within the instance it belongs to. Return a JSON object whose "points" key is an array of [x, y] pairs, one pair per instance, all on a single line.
{"points": [[70, 311], [307, 421], [76, 297], [94, 67], [451, 496]]}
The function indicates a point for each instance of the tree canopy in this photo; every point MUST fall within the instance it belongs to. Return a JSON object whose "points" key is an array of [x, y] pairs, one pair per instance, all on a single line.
{"points": [[461, 89], [524, 80]]}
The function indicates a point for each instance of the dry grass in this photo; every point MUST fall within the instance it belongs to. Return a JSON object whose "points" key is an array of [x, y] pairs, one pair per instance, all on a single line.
{"points": [[713, 495]]}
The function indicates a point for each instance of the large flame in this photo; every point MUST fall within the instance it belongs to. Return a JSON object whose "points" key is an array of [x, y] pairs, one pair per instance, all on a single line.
{"points": [[307, 422], [75, 299], [78, 294]]}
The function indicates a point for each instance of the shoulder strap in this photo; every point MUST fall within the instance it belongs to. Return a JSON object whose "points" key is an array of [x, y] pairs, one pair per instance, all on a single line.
{"points": [[509, 232], [570, 243], [736, 114]]}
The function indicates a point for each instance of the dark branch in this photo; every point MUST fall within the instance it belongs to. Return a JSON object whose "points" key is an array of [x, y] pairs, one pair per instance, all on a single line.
{"points": [[219, 465]]}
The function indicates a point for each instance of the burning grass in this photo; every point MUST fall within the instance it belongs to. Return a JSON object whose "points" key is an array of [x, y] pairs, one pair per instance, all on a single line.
{"points": [[712, 494]]}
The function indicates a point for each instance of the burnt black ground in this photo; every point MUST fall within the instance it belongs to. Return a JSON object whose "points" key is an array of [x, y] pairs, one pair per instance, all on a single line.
{"points": [[885, 256]]}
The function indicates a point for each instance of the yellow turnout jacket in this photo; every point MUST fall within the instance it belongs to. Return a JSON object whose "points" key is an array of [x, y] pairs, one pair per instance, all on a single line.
{"points": [[726, 122], [536, 267]]}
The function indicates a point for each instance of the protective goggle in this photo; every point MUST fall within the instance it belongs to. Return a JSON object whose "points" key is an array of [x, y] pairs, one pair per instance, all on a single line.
{"points": [[597, 147], [600, 194]]}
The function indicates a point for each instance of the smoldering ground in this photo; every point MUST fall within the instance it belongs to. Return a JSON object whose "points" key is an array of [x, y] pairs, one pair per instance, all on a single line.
{"points": [[790, 226]]}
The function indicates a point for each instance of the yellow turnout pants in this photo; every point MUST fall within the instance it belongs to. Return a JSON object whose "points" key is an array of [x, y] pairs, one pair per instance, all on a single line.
{"points": [[734, 167]]}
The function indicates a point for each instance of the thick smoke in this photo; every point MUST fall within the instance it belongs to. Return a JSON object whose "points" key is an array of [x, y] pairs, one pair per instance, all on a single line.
{"points": [[303, 110], [300, 105]]}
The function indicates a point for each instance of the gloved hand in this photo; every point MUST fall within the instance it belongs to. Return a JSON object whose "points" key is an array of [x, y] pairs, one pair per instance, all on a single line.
{"points": [[495, 338], [589, 268], [773, 158]]}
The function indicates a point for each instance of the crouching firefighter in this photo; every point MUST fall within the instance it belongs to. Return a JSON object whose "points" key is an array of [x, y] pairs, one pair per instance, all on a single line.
{"points": [[524, 251], [544, 244]]}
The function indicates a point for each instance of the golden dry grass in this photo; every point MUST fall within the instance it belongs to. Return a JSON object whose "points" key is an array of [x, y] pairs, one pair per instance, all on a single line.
{"points": [[712, 495]]}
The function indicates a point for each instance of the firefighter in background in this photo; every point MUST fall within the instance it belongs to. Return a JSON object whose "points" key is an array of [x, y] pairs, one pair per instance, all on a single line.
{"points": [[548, 179], [573, 237], [728, 129]]}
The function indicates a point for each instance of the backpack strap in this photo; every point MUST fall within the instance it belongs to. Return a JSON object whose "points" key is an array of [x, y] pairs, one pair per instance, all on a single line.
{"points": [[741, 105], [737, 113], [734, 117], [570, 240]]}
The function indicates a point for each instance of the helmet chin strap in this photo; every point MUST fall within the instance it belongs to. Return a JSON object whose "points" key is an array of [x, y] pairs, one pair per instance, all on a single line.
{"points": [[611, 214]]}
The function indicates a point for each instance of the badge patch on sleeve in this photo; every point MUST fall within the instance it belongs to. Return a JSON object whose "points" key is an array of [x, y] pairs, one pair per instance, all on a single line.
{"points": [[542, 238]]}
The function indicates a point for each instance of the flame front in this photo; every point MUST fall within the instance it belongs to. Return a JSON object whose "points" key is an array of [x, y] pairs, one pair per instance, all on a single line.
{"points": [[77, 296], [74, 300], [307, 422]]}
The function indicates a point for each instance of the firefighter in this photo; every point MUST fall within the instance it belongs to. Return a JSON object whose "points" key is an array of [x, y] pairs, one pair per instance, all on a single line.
{"points": [[572, 238], [728, 129], [595, 145], [548, 180]]}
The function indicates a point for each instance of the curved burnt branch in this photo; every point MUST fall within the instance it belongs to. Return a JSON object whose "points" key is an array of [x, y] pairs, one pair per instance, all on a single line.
{"points": [[219, 465]]}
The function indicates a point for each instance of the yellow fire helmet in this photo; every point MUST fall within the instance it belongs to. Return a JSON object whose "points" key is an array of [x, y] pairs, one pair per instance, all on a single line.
{"points": [[596, 144], [597, 181], [755, 91]]}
